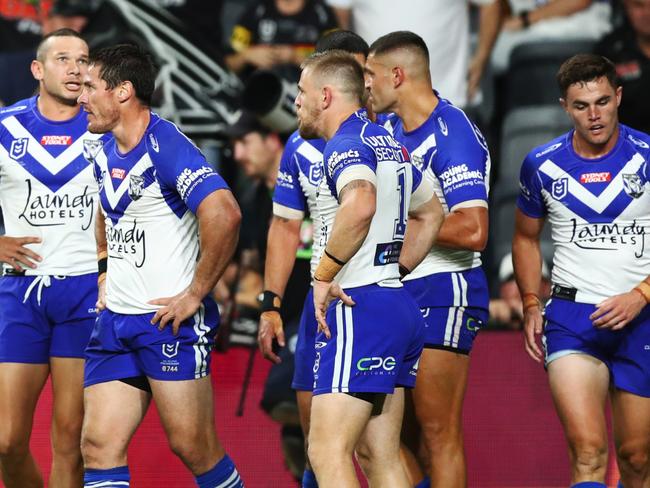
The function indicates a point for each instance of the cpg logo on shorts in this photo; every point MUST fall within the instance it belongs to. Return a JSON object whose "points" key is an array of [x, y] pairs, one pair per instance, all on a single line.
{"points": [[376, 365]]}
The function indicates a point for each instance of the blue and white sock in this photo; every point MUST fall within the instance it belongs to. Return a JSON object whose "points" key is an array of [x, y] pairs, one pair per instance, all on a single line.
{"points": [[107, 478], [425, 483], [309, 479], [589, 484], [223, 475]]}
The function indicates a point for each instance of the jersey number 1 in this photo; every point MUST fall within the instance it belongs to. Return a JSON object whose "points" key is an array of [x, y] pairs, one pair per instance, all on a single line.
{"points": [[400, 221]]}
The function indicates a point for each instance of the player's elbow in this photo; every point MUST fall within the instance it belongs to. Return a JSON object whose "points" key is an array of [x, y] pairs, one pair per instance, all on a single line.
{"points": [[477, 240]]}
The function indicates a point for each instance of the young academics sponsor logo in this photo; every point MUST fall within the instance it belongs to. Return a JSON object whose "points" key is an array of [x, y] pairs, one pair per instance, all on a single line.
{"points": [[188, 179], [460, 175]]}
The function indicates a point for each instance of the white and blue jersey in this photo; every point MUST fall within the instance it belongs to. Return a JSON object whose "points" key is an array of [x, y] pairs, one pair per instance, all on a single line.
{"points": [[149, 197], [362, 150], [300, 173], [449, 285], [47, 188], [599, 211], [375, 345]]}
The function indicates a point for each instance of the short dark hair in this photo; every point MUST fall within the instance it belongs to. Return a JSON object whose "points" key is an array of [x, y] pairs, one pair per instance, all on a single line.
{"points": [[583, 68], [65, 32], [340, 66], [400, 40], [344, 40], [127, 62]]}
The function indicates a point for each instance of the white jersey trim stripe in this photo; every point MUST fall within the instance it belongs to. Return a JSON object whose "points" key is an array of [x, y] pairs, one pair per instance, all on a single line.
{"points": [[458, 324], [310, 152], [338, 358], [463, 290], [449, 326], [287, 212], [349, 342], [456, 289]]}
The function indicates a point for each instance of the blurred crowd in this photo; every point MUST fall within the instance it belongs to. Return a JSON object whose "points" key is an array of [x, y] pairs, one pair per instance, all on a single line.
{"points": [[228, 73]]}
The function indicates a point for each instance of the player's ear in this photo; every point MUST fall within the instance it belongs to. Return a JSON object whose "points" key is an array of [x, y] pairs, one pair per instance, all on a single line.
{"points": [[326, 96], [125, 91], [397, 76], [563, 103], [37, 69]]}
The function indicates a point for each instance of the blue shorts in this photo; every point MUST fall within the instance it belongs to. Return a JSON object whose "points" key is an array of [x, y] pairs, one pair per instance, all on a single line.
{"points": [[452, 328], [626, 352], [454, 307], [46, 316], [375, 345], [303, 374], [126, 346]]}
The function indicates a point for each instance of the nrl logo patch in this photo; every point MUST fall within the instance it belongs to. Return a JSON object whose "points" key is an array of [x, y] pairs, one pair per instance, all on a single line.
{"points": [[18, 148], [136, 185], [92, 148], [170, 350], [632, 185], [560, 188]]}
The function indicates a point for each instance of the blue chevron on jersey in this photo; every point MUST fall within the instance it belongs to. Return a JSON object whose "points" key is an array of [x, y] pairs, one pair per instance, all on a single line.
{"points": [[599, 211], [149, 197], [47, 188], [451, 151]]}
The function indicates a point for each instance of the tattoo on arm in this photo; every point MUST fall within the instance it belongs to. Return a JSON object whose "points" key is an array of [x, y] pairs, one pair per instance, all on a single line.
{"points": [[353, 185]]}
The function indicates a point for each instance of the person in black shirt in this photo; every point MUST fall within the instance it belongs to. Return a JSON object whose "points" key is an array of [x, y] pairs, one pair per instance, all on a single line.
{"points": [[628, 47], [274, 33]]}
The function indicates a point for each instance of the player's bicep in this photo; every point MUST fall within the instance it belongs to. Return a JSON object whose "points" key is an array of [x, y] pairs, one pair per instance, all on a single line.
{"points": [[528, 227]]}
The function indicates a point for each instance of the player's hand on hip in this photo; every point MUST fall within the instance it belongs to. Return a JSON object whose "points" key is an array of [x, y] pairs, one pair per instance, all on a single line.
{"points": [[533, 326], [175, 309], [14, 252], [324, 293], [617, 311], [101, 296], [270, 328]]}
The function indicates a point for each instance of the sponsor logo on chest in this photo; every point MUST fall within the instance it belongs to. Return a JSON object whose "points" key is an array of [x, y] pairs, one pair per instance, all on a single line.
{"points": [[118, 173], [602, 177], [56, 140]]}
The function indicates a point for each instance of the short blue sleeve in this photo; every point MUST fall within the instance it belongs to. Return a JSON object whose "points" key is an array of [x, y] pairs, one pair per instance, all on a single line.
{"points": [[343, 153], [181, 167], [462, 161], [287, 184], [530, 200]]}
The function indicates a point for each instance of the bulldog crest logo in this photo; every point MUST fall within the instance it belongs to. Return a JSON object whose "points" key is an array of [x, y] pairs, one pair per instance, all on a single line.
{"points": [[632, 185], [18, 148], [92, 148], [136, 185]]}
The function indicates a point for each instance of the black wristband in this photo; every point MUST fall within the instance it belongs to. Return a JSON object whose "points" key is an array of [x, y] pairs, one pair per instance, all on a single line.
{"points": [[525, 19], [403, 271], [333, 258], [271, 302], [102, 266]]}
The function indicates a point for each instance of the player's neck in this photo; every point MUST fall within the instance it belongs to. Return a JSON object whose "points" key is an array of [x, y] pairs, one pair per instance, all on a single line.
{"points": [[585, 149], [336, 118], [416, 106], [53, 109], [133, 124]]}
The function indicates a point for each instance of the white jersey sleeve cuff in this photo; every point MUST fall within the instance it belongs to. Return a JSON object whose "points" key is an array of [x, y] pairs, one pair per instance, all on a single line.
{"points": [[356, 172], [422, 194], [287, 212], [469, 204]]}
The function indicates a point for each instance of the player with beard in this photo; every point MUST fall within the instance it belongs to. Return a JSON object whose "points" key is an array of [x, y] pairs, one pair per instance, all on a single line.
{"points": [[370, 329], [161, 203]]}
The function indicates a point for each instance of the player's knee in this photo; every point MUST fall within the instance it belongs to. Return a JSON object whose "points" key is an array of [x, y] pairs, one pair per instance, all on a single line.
{"points": [[633, 458], [99, 449], [590, 458], [190, 449], [439, 432], [13, 443], [66, 436]]}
